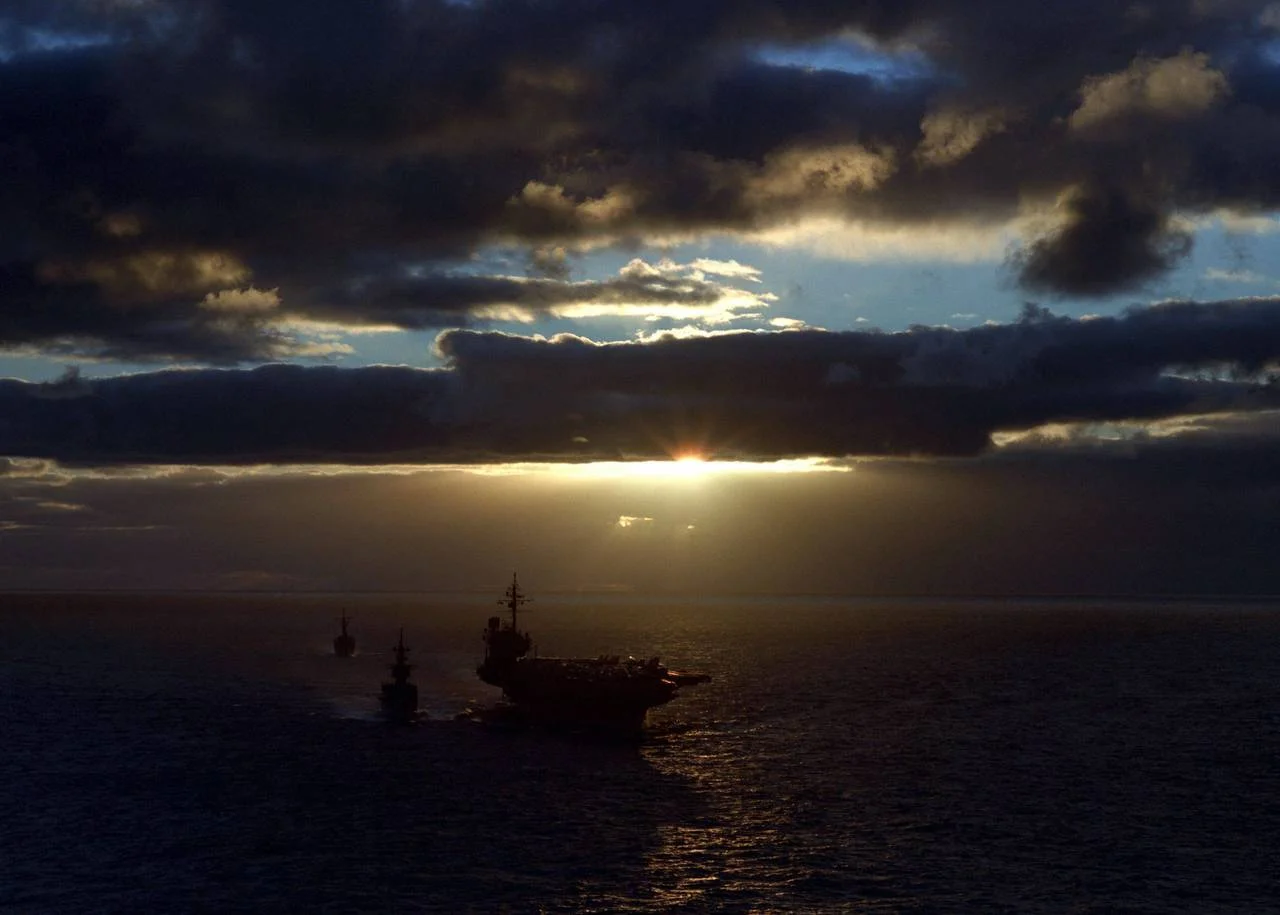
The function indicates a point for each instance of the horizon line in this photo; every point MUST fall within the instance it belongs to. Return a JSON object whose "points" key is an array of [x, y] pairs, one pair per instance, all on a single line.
{"points": [[606, 592]]}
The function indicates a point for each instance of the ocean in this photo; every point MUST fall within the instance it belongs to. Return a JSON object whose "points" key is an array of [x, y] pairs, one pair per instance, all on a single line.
{"points": [[208, 753]]}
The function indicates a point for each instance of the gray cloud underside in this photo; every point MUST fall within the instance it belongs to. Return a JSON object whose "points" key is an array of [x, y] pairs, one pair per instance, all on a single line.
{"points": [[928, 391], [443, 300], [320, 143], [80, 319]]}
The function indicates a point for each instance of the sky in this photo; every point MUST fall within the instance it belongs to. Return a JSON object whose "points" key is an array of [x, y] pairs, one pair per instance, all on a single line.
{"points": [[929, 297]]}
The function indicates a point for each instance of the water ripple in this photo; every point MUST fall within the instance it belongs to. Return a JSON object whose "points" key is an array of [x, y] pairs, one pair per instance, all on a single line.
{"points": [[844, 758]]}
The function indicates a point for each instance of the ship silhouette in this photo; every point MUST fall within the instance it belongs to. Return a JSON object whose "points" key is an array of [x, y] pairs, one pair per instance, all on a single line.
{"points": [[344, 644], [606, 693], [399, 698]]}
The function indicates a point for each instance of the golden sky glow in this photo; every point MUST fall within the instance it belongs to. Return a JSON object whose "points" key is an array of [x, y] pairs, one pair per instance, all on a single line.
{"points": [[685, 467]]}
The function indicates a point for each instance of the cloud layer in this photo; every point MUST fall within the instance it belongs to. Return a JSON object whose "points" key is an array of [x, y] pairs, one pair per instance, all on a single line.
{"points": [[928, 391], [341, 154]]}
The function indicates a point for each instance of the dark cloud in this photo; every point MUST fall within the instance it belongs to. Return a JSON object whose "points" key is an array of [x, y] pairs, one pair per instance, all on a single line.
{"points": [[928, 391], [313, 145], [439, 300], [80, 318], [171, 305], [275, 412], [1110, 241]]}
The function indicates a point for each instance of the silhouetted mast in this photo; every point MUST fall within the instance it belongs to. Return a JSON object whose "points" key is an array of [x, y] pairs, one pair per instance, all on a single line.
{"points": [[514, 599], [400, 697], [400, 669]]}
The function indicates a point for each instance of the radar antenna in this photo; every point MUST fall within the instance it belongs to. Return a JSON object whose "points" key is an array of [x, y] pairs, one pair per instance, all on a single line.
{"points": [[514, 599]]}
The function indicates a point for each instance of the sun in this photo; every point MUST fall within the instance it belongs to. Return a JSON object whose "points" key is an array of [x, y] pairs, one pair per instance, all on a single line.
{"points": [[689, 464]]}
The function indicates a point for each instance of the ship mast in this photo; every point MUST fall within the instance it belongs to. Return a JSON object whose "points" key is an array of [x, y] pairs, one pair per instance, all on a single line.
{"points": [[400, 669], [514, 599]]}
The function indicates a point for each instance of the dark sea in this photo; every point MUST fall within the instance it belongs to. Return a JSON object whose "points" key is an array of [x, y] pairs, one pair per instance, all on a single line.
{"points": [[209, 754]]}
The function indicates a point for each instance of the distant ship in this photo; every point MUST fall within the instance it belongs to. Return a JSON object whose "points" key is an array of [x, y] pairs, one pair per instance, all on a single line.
{"points": [[344, 646], [607, 693], [400, 697]]}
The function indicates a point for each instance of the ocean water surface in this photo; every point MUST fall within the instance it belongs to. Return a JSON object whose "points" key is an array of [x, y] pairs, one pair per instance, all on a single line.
{"points": [[209, 754]]}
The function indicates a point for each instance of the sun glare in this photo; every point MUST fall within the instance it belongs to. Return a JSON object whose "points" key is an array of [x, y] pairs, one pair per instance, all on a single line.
{"points": [[691, 467], [686, 466]]}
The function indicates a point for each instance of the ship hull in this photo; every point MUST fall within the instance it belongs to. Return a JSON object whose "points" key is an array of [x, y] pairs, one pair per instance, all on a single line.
{"points": [[582, 719], [399, 702], [603, 694], [580, 694], [560, 709]]}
